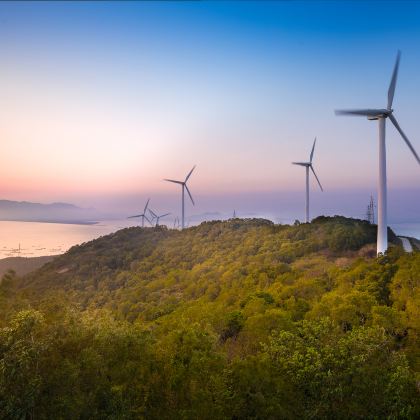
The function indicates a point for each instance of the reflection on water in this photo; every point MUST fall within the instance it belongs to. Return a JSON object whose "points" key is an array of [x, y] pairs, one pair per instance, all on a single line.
{"points": [[31, 239]]}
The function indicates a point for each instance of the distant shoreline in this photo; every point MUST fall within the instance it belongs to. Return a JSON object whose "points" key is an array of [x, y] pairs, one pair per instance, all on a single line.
{"points": [[19, 257], [62, 222]]}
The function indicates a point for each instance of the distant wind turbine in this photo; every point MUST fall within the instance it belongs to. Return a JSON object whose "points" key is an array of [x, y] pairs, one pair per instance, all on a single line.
{"points": [[176, 222], [143, 215], [155, 216], [308, 165], [381, 115], [184, 187]]}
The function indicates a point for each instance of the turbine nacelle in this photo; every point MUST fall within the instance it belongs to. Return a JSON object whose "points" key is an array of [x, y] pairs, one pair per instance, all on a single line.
{"points": [[382, 113]]}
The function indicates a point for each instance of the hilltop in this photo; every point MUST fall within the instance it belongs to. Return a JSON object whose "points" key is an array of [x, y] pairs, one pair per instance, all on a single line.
{"points": [[228, 319], [95, 268]]}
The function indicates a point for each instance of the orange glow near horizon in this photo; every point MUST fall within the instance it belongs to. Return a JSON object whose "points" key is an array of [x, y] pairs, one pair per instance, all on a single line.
{"points": [[108, 112]]}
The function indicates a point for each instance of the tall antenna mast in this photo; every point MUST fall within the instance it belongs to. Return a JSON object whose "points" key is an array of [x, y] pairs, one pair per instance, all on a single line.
{"points": [[372, 209], [370, 213]]}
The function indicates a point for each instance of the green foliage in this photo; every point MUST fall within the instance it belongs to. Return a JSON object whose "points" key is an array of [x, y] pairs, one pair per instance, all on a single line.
{"points": [[20, 347], [234, 325], [356, 375], [238, 319]]}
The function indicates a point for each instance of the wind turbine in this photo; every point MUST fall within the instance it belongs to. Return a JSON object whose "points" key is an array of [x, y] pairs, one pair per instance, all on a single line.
{"points": [[143, 215], [381, 115], [155, 216], [184, 187], [176, 222], [308, 165]]}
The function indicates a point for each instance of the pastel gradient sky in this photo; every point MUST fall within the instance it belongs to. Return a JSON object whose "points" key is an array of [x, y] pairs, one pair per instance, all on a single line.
{"points": [[101, 100]]}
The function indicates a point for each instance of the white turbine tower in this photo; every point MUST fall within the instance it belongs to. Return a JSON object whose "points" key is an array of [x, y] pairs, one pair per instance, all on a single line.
{"points": [[143, 215], [381, 115], [184, 187], [308, 165]]}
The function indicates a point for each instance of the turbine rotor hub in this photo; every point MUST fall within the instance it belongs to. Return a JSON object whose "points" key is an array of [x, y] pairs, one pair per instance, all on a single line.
{"points": [[382, 113]]}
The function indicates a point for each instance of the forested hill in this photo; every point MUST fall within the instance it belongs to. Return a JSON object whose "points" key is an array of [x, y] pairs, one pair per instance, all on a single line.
{"points": [[227, 320], [112, 270]]}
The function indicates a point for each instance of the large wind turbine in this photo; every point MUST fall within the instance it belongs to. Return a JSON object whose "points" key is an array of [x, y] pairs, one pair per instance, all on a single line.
{"points": [[184, 187], [143, 215], [381, 115], [308, 165]]}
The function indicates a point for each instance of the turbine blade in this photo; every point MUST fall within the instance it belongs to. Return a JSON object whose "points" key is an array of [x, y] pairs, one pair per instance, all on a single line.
{"points": [[145, 207], [312, 152], [320, 186], [359, 112], [131, 217], [301, 163], [189, 174], [172, 180], [188, 191], [164, 215], [393, 82], [150, 223], [397, 126], [153, 214]]}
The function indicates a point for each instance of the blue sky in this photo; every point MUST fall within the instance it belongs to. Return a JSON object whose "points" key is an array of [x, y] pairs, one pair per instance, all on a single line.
{"points": [[111, 97]]}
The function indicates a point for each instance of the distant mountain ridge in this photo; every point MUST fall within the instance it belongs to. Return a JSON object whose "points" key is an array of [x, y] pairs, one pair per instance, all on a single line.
{"points": [[14, 204], [37, 212]]}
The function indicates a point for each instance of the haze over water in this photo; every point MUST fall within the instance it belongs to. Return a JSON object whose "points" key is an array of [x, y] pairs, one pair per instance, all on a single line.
{"points": [[31, 239]]}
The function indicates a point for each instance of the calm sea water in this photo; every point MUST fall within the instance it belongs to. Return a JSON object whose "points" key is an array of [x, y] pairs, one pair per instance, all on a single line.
{"points": [[29, 239]]}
